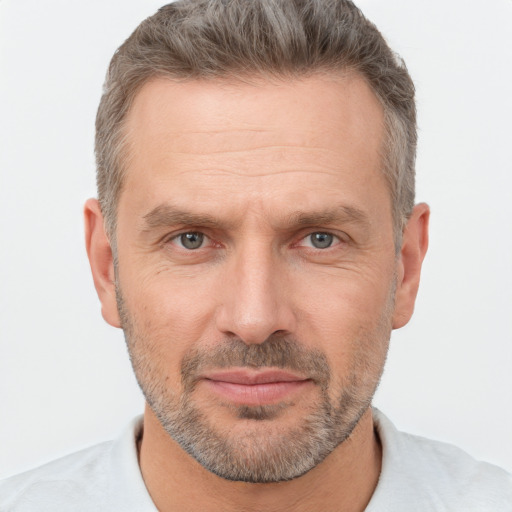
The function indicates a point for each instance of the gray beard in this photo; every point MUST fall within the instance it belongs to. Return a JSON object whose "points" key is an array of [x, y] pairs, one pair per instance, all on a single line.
{"points": [[262, 453]]}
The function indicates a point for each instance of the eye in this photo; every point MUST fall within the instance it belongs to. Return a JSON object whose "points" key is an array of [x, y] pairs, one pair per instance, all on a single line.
{"points": [[191, 240], [320, 240]]}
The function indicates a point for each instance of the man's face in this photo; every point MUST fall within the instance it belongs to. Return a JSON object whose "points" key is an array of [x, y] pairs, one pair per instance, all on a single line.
{"points": [[256, 267]]}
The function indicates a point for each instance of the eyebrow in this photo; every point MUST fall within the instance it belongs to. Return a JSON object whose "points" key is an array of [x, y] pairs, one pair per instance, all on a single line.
{"points": [[340, 214], [165, 215]]}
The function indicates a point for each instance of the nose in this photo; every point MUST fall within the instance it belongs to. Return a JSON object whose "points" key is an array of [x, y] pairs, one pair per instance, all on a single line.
{"points": [[256, 299]]}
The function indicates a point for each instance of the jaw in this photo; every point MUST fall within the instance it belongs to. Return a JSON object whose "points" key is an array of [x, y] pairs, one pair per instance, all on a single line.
{"points": [[354, 465]]}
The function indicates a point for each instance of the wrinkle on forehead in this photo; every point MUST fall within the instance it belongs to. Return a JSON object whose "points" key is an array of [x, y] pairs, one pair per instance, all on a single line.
{"points": [[200, 150], [204, 116]]}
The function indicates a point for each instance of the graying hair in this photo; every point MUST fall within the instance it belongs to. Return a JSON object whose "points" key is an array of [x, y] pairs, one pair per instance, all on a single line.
{"points": [[237, 39]]}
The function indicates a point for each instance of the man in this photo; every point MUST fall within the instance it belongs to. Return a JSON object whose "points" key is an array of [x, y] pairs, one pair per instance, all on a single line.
{"points": [[257, 240]]}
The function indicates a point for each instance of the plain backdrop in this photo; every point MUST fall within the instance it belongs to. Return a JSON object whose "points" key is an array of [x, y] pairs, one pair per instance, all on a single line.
{"points": [[65, 378]]}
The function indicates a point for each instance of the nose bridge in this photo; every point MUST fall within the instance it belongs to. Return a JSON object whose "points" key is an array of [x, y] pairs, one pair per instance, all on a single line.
{"points": [[255, 303]]}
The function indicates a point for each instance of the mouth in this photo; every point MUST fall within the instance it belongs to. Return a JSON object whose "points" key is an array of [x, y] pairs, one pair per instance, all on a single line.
{"points": [[255, 387]]}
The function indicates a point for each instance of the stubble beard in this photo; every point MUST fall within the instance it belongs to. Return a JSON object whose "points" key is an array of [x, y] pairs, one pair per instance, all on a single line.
{"points": [[261, 452]]}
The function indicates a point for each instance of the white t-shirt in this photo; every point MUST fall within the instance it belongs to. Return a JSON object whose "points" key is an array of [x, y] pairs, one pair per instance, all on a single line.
{"points": [[417, 475]]}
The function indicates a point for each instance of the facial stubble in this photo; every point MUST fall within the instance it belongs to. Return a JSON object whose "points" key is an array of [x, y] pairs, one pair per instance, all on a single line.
{"points": [[262, 450]]}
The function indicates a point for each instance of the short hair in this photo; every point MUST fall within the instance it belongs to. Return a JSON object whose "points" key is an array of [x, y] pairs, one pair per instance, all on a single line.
{"points": [[237, 39]]}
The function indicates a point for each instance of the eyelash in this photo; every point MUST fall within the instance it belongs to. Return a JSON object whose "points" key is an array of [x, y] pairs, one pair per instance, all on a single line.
{"points": [[336, 240], [176, 239]]}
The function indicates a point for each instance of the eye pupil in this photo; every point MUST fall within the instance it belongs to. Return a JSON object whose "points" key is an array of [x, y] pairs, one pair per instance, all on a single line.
{"points": [[192, 240], [321, 240]]}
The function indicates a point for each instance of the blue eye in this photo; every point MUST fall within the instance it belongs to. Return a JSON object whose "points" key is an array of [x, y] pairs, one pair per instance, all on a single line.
{"points": [[192, 240], [321, 240]]}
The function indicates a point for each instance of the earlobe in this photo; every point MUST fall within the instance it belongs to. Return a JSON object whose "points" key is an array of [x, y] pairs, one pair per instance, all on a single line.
{"points": [[414, 248], [100, 256]]}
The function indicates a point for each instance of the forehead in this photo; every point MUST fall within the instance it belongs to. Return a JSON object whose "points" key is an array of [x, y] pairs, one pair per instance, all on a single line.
{"points": [[320, 108], [242, 140]]}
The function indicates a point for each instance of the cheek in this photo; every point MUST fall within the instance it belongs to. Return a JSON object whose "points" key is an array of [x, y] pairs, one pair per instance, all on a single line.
{"points": [[345, 301], [177, 300], [349, 319], [168, 319]]}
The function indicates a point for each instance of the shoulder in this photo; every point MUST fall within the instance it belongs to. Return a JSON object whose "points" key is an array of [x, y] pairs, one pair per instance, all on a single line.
{"points": [[436, 476], [79, 478], [103, 477]]}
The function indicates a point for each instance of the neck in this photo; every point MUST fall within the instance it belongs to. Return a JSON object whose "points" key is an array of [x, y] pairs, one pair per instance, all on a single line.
{"points": [[345, 480]]}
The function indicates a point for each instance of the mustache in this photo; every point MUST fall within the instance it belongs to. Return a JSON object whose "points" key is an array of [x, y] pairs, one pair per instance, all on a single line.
{"points": [[283, 352]]}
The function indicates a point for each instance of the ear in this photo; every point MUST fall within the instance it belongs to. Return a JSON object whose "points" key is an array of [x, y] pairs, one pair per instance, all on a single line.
{"points": [[101, 260], [414, 248]]}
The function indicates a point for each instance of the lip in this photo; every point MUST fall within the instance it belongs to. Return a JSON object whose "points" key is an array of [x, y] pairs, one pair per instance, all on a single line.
{"points": [[252, 387]]}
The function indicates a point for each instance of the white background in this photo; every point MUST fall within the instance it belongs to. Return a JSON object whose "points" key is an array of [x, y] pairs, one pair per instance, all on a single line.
{"points": [[65, 379]]}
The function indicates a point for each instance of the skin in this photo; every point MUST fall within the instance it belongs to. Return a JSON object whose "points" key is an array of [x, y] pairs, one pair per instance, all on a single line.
{"points": [[269, 162]]}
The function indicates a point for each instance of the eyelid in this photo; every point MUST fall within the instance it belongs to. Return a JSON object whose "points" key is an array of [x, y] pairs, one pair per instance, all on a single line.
{"points": [[338, 239], [209, 241], [174, 238]]}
